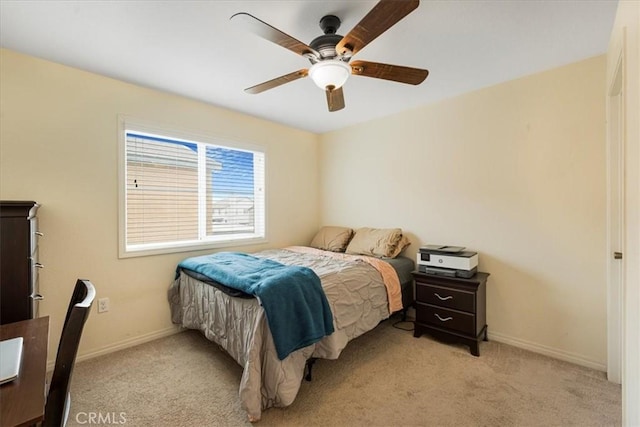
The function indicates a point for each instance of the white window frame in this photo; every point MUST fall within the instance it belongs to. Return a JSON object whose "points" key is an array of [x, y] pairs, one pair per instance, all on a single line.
{"points": [[127, 123]]}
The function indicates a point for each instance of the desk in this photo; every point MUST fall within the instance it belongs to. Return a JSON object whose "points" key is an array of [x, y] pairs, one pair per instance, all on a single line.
{"points": [[22, 400]]}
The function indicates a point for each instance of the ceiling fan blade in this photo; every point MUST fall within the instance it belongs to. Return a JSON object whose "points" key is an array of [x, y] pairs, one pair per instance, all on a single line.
{"points": [[277, 81], [396, 73], [273, 34], [383, 16], [335, 99]]}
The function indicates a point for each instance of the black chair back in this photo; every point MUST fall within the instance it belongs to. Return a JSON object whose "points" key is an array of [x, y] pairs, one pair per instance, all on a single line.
{"points": [[57, 407]]}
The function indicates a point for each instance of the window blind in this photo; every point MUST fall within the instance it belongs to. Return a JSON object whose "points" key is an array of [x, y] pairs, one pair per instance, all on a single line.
{"points": [[181, 191]]}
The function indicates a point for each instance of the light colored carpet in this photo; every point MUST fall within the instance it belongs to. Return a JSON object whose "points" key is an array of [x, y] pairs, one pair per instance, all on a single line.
{"points": [[384, 378]]}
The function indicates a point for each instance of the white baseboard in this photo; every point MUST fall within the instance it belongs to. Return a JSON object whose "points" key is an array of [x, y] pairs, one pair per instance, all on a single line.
{"points": [[121, 345], [494, 336], [548, 351]]}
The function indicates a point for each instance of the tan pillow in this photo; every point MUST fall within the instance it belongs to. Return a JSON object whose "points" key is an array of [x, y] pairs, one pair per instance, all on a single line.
{"points": [[333, 239], [379, 242], [403, 243]]}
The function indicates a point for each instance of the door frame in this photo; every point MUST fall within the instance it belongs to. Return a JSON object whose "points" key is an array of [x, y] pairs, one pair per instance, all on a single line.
{"points": [[615, 215]]}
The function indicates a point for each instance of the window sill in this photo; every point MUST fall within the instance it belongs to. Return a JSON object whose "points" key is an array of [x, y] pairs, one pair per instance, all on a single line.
{"points": [[189, 247]]}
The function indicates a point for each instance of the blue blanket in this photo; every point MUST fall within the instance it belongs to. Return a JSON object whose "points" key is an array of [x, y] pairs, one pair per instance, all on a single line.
{"points": [[296, 307]]}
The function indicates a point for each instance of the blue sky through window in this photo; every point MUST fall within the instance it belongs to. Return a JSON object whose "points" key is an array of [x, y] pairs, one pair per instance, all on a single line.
{"points": [[234, 177]]}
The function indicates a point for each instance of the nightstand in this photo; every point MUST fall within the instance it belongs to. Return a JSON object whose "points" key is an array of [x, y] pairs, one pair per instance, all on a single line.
{"points": [[452, 307]]}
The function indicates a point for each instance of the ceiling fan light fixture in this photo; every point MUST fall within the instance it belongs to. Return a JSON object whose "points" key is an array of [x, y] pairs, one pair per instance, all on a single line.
{"points": [[330, 73]]}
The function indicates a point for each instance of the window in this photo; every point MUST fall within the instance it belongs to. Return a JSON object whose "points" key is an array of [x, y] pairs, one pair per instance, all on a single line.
{"points": [[179, 192]]}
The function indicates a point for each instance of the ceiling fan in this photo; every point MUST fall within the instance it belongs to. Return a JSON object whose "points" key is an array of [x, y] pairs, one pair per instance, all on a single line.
{"points": [[330, 54]]}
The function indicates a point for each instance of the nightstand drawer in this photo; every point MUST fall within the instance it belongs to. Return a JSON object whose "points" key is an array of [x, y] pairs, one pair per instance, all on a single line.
{"points": [[444, 318], [445, 297]]}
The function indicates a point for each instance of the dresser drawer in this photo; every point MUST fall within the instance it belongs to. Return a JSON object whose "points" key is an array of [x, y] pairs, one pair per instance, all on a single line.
{"points": [[446, 319], [446, 297]]}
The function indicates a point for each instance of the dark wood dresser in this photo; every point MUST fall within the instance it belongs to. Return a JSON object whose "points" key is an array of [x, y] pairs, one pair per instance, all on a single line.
{"points": [[452, 308], [19, 264]]}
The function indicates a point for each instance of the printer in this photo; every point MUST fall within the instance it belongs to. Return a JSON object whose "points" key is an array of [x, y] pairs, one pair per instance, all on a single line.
{"points": [[450, 261]]}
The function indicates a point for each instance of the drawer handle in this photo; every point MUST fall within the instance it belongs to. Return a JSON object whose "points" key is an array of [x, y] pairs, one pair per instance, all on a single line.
{"points": [[37, 297], [39, 233], [441, 319], [38, 265], [443, 298]]}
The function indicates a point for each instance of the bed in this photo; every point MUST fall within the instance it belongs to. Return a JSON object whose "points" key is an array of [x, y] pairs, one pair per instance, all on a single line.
{"points": [[361, 292]]}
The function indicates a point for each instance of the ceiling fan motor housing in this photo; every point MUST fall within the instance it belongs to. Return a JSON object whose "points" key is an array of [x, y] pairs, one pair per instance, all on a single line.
{"points": [[326, 43]]}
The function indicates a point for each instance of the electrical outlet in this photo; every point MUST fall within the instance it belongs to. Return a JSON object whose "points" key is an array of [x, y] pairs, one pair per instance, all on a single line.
{"points": [[103, 305]]}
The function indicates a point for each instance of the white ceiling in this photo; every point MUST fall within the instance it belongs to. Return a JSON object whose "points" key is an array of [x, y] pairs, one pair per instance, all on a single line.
{"points": [[191, 48]]}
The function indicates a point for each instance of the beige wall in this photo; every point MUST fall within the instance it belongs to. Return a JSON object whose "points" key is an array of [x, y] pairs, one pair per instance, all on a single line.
{"points": [[515, 171], [59, 146]]}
